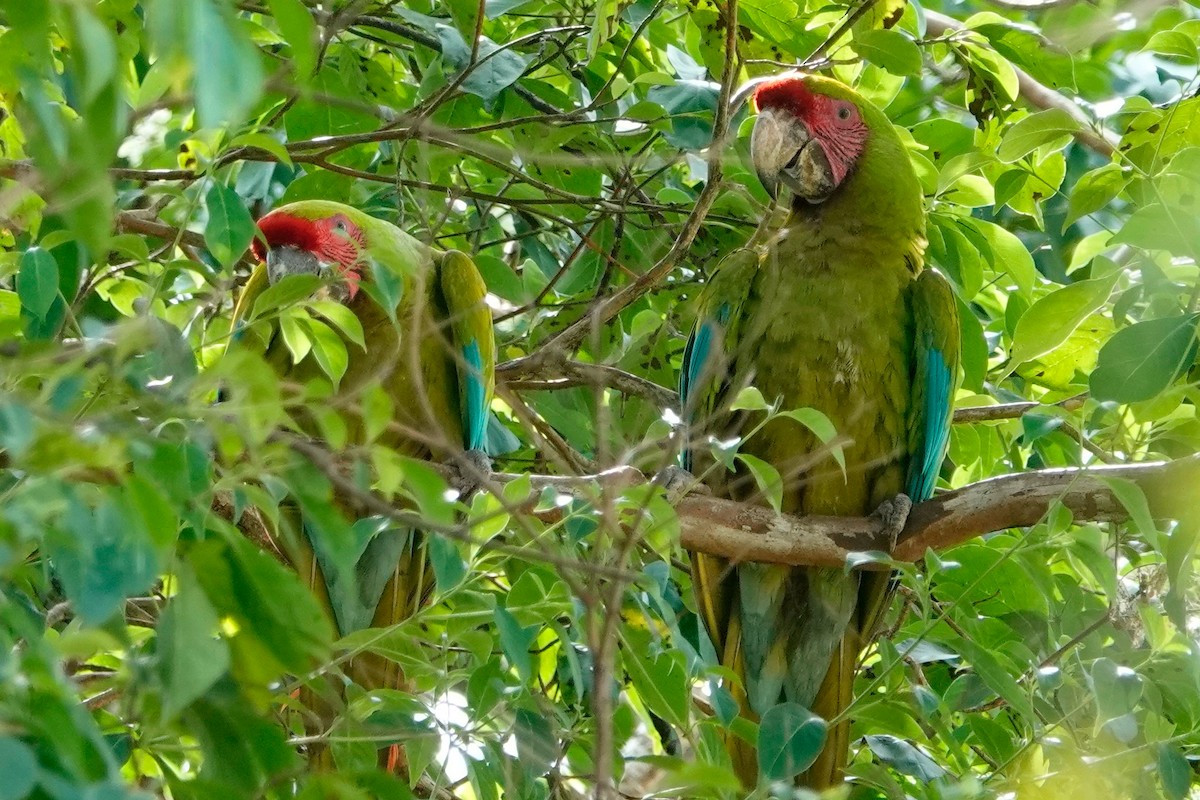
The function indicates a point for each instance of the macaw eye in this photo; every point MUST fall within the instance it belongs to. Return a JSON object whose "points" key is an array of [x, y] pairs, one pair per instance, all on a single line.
{"points": [[340, 225], [843, 113]]}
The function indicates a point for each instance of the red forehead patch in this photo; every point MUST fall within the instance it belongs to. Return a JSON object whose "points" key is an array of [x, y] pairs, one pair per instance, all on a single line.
{"points": [[788, 93], [284, 230]]}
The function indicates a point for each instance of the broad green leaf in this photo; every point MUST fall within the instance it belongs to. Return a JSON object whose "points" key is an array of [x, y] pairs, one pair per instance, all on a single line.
{"points": [[766, 477], [1159, 227], [789, 739], [905, 757], [229, 229], [494, 70], [37, 282], [1052, 125], [98, 61], [749, 399], [661, 681], [191, 656], [1094, 191], [295, 336], [1133, 499], [1144, 359], [515, 640], [890, 49], [341, 318], [202, 38], [1174, 771], [1008, 254], [1174, 43], [997, 677], [1051, 319], [19, 766], [286, 292], [296, 24]]}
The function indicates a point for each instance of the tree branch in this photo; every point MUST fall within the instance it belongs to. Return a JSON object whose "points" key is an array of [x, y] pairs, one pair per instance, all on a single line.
{"points": [[743, 532], [1090, 133]]}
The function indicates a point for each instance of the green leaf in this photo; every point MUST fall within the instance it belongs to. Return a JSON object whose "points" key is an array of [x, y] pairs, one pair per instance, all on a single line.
{"points": [[202, 38], [661, 680], [448, 566], [537, 746], [286, 292], [1116, 690], [1051, 319], [329, 349], [102, 556], [998, 678], [98, 62], [1159, 227], [341, 318], [17, 427], [890, 49], [790, 738], [1052, 125], [905, 757], [1008, 254], [749, 399], [37, 282], [1094, 191], [191, 657], [297, 26], [1142, 360], [229, 229], [1133, 499], [767, 477], [515, 640], [1174, 43], [494, 70], [822, 427], [19, 766], [1174, 771]]}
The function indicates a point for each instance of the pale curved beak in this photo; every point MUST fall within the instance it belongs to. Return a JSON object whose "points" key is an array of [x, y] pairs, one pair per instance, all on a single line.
{"points": [[785, 153], [286, 260]]}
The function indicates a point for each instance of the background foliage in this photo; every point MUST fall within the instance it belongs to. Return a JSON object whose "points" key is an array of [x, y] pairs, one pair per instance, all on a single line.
{"points": [[151, 648]]}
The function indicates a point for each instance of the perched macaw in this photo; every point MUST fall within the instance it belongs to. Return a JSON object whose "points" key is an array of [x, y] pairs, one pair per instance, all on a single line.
{"points": [[834, 313], [433, 353]]}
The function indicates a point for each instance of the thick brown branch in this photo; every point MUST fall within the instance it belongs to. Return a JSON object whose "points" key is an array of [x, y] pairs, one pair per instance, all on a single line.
{"points": [[744, 532], [1014, 501]]}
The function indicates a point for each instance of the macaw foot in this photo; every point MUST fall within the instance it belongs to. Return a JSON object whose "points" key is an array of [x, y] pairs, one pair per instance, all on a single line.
{"points": [[468, 471], [892, 515], [678, 483]]}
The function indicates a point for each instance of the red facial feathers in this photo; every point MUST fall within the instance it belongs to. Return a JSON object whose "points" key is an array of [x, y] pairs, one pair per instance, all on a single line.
{"points": [[333, 240], [787, 94], [836, 124]]}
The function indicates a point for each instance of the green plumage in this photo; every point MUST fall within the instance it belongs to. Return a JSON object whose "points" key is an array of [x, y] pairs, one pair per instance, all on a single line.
{"points": [[433, 353], [834, 313]]}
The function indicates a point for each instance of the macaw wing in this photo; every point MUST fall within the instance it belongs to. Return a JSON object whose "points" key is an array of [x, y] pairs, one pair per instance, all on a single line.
{"points": [[473, 342], [936, 356], [704, 378], [704, 386]]}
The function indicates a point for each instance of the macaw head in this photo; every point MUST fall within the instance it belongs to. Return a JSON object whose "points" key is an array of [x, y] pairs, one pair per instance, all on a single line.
{"points": [[810, 134], [315, 237]]}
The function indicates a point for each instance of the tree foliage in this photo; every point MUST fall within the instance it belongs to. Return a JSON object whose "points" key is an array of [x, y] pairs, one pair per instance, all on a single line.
{"points": [[153, 639]]}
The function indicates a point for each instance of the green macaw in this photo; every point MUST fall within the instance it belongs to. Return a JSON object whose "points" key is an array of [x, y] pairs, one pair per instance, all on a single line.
{"points": [[834, 313], [434, 356]]}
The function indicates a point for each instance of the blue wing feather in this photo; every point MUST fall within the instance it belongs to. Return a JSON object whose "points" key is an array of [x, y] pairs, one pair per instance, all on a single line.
{"points": [[474, 400], [935, 423]]}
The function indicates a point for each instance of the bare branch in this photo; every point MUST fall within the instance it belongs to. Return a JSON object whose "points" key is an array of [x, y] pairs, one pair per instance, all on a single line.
{"points": [[744, 532], [1011, 410]]}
